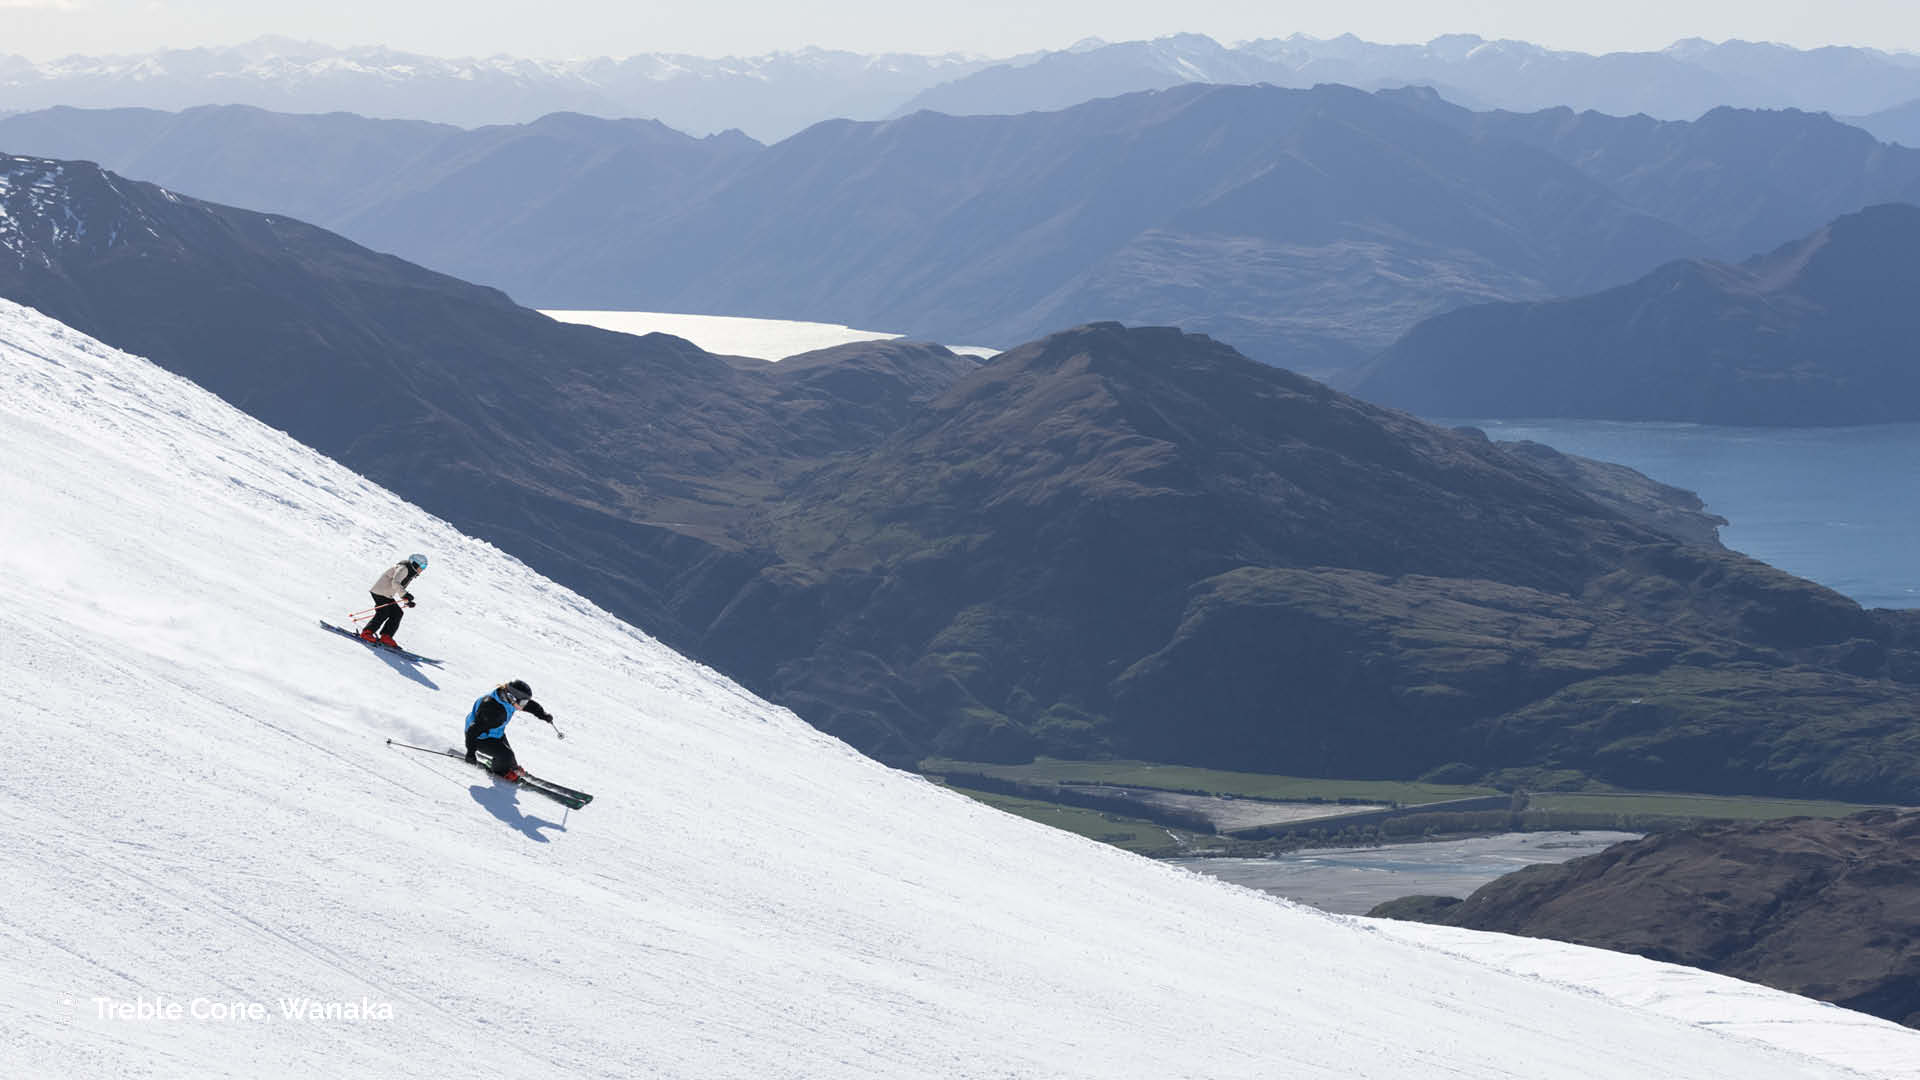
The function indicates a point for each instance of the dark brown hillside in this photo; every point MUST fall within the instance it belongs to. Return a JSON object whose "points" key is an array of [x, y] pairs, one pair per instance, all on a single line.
{"points": [[1136, 541], [1829, 909]]}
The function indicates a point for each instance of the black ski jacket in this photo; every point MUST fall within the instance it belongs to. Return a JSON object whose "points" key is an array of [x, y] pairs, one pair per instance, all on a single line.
{"points": [[489, 716]]}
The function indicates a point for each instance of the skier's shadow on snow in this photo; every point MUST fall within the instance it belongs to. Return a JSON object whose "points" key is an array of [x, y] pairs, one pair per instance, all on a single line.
{"points": [[503, 802], [406, 667]]}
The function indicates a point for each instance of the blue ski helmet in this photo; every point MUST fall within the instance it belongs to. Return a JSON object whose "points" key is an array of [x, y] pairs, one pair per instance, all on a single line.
{"points": [[417, 561]]}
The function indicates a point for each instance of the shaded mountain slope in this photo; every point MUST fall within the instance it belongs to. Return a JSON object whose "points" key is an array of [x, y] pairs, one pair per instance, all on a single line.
{"points": [[317, 168], [1821, 331], [1138, 542], [1307, 226], [1825, 908], [1741, 180], [487, 204], [1301, 224]]}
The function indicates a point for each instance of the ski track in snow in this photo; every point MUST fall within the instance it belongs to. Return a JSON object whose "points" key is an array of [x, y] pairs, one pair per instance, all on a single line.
{"points": [[198, 804]]}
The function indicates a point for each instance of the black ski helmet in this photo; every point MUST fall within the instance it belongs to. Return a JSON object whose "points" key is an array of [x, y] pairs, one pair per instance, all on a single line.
{"points": [[417, 561], [518, 692]]}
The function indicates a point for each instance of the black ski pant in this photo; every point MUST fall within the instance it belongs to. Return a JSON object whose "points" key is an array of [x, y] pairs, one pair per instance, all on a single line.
{"points": [[387, 619], [497, 751]]}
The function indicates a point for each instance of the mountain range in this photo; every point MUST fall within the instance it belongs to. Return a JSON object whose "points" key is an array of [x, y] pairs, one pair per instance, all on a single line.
{"points": [[770, 96], [1309, 227], [777, 94], [1741, 180], [1820, 331], [1680, 82], [1109, 541]]}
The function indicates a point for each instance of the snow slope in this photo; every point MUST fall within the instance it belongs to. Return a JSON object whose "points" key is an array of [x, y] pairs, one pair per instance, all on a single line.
{"points": [[198, 807]]}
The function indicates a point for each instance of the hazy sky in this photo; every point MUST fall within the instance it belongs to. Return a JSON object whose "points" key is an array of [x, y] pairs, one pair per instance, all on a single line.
{"points": [[41, 29]]}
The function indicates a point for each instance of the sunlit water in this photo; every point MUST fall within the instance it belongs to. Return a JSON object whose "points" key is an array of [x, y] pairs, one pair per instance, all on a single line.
{"points": [[1353, 880], [1833, 505], [730, 335]]}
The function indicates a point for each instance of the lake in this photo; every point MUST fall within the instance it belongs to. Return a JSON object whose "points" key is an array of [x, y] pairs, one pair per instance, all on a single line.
{"points": [[1828, 504], [731, 335], [1352, 881]]}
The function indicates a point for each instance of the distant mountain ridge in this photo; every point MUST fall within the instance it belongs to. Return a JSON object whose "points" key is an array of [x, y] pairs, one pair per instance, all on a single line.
{"points": [[495, 201], [777, 94], [1742, 180], [1309, 227], [1820, 331], [769, 96], [1677, 83], [1304, 225]]}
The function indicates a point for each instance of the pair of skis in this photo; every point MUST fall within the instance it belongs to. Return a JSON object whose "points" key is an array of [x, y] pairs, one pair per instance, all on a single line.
{"points": [[413, 656], [565, 796]]}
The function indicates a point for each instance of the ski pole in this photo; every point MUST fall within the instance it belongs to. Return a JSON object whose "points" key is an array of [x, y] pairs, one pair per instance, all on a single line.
{"points": [[369, 611], [556, 729]]}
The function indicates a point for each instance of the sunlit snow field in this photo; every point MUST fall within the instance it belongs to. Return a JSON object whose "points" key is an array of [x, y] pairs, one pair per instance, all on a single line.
{"points": [[727, 335], [199, 809]]}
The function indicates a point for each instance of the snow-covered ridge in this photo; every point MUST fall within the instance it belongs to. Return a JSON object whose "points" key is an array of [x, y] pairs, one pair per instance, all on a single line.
{"points": [[38, 208], [773, 95], [199, 812], [770, 95], [274, 58], [1677, 83]]}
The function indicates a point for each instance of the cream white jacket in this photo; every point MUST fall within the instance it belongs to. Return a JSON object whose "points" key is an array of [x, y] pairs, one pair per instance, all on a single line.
{"points": [[395, 581]]}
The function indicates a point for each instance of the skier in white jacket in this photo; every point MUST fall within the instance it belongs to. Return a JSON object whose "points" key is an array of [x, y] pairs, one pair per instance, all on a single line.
{"points": [[389, 593]]}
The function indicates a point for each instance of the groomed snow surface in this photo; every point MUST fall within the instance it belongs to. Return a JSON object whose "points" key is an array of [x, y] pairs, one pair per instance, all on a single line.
{"points": [[198, 811]]}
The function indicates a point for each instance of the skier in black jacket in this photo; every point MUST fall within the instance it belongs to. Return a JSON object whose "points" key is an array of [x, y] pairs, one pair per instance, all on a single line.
{"points": [[487, 725]]}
